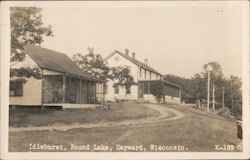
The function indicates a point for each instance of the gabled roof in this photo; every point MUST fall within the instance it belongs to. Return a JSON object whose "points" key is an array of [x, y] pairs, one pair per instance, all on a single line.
{"points": [[55, 61], [133, 60]]}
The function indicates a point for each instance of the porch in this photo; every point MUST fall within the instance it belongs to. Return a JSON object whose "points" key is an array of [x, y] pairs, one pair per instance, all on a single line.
{"points": [[172, 92], [63, 89]]}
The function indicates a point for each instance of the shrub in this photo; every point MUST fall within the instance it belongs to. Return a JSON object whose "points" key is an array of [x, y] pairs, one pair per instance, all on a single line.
{"points": [[157, 89]]}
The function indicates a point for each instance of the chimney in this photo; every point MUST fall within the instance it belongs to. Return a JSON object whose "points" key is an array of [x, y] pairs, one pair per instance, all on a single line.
{"points": [[133, 54], [127, 51], [146, 61]]}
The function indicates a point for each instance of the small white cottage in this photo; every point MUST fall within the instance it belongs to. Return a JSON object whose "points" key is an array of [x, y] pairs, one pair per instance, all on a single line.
{"points": [[63, 83]]}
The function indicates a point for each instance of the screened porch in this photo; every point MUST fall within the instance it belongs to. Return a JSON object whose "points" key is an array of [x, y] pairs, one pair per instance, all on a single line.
{"points": [[63, 88], [144, 88]]}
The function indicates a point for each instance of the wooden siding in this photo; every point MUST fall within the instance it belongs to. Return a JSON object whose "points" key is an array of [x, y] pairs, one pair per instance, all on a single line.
{"points": [[111, 96], [32, 92]]}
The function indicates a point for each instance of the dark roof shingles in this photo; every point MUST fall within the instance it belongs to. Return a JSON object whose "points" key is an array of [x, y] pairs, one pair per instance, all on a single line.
{"points": [[56, 61]]}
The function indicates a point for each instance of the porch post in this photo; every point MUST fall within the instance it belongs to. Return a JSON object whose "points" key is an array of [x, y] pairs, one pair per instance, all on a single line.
{"points": [[63, 87]]}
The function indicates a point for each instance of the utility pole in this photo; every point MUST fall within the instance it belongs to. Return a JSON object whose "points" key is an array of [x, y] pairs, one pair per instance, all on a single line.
{"points": [[223, 92], [208, 90]]}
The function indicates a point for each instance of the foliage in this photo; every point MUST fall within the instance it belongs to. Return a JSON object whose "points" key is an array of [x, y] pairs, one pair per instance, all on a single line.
{"points": [[26, 28], [215, 73], [25, 72], [195, 88], [22, 80], [233, 91], [217, 78], [157, 89], [122, 76], [93, 64], [96, 67]]}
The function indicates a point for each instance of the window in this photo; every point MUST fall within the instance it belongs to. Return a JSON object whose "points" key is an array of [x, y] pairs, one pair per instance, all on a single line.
{"points": [[16, 88], [116, 58], [150, 75], [116, 88], [145, 73], [128, 90]]}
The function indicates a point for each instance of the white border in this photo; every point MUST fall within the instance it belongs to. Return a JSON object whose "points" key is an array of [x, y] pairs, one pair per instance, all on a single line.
{"points": [[4, 85]]}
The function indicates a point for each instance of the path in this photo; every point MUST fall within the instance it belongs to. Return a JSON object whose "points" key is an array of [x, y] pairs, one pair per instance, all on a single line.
{"points": [[164, 116]]}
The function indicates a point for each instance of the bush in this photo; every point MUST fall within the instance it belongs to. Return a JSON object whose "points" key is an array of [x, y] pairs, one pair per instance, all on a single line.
{"points": [[157, 89]]}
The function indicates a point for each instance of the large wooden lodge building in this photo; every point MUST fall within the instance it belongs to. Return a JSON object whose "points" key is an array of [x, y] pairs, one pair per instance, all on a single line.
{"points": [[144, 76]]}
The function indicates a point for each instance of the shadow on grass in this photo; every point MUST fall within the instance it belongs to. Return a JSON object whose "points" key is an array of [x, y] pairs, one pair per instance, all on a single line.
{"points": [[34, 116]]}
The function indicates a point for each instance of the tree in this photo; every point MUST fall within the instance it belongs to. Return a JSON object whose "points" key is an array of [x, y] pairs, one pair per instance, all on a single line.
{"points": [[226, 90], [235, 90], [197, 88], [96, 67], [26, 28], [216, 77], [157, 88], [122, 76], [93, 64]]}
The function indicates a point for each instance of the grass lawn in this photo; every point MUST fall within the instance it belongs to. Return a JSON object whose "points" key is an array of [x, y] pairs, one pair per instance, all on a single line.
{"points": [[23, 117], [195, 132]]}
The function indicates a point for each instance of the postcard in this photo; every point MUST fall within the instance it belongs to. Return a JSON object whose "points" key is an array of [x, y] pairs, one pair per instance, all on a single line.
{"points": [[125, 80]]}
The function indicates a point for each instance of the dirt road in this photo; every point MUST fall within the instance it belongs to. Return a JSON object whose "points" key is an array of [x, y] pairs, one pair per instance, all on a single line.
{"points": [[164, 116]]}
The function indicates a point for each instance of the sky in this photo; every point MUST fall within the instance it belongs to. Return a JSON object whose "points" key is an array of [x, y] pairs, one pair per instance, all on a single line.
{"points": [[176, 40]]}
